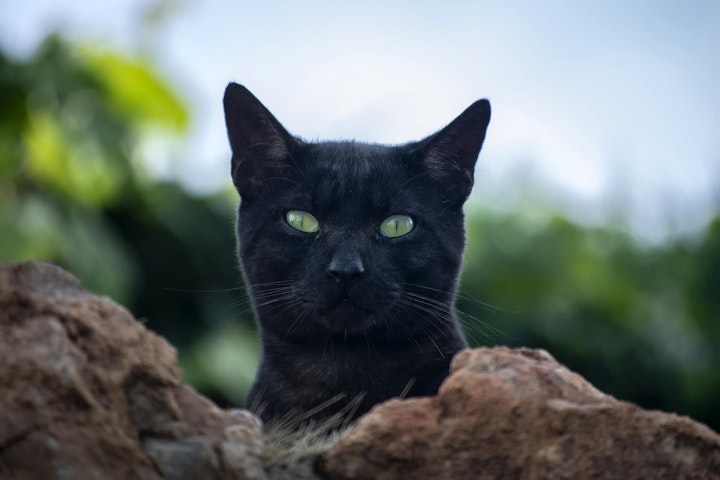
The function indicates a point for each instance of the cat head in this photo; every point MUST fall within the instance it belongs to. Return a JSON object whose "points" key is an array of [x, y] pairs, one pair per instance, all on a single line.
{"points": [[343, 238]]}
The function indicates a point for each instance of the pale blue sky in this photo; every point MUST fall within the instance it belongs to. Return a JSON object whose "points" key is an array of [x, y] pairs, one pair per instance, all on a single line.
{"points": [[597, 98]]}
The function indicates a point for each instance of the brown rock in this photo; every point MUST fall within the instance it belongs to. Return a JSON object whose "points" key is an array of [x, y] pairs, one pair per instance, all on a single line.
{"points": [[86, 392], [518, 414]]}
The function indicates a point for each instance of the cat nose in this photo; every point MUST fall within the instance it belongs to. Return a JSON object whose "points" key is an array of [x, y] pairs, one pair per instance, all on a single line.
{"points": [[345, 267]]}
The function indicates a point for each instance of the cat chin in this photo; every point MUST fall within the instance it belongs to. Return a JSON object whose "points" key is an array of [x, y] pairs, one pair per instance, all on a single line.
{"points": [[345, 318]]}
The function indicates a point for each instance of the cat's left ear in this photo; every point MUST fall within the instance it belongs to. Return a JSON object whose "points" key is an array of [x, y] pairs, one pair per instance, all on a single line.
{"points": [[260, 145], [449, 155]]}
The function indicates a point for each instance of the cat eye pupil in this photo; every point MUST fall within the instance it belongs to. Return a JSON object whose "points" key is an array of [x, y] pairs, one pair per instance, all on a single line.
{"points": [[396, 226], [302, 221]]}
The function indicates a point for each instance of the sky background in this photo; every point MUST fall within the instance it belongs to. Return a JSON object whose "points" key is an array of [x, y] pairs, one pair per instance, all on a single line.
{"points": [[613, 104]]}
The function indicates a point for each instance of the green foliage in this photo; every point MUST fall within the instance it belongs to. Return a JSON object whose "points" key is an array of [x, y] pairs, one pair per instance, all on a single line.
{"points": [[135, 91], [640, 322], [222, 364], [68, 151]]}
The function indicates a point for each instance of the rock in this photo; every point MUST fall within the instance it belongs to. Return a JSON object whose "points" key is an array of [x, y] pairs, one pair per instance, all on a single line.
{"points": [[518, 414], [87, 392]]}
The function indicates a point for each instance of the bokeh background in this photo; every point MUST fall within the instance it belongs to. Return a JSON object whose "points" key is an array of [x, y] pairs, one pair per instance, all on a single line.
{"points": [[593, 230]]}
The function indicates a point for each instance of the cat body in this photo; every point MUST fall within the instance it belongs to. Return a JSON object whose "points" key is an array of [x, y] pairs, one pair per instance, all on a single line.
{"points": [[351, 253]]}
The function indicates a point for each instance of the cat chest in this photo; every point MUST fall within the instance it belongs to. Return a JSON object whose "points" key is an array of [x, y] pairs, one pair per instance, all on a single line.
{"points": [[371, 374]]}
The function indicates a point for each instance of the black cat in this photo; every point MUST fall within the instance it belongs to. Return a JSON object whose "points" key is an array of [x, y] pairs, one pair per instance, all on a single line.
{"points": [[351, 253]]}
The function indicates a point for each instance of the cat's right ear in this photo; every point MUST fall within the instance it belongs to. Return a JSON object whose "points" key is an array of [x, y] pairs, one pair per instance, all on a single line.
{"points": [[450, 154], [260, 145]]}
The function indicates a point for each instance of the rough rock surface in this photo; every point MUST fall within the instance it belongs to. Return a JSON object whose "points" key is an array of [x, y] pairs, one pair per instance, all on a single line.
{"points": [[87, 392], [518, 414]]}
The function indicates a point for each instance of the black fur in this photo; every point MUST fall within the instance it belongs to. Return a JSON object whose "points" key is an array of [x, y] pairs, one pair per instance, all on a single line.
{"points": [[345, 313]]}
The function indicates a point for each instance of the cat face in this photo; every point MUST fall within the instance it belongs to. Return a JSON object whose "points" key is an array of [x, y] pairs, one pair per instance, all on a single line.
{"points": [[347, 238]]}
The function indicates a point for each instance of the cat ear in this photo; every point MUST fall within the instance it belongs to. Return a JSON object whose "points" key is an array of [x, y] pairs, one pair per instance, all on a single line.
{"points": [[449, 155], [260, 145]]}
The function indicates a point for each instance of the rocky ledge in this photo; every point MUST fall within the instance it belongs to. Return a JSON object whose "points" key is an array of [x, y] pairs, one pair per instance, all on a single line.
{"points": [[87, 392]]}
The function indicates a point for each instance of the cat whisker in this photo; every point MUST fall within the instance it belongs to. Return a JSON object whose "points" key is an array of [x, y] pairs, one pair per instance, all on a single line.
{"points": [[437, 312], [266, 285], [437, 318], [270, 299], [388, 324], [440, 310], [302, 315], [279, 306], [407, 388], [432, 339], [368, 340], [472, 325], [212, 290], [427, 333], [240, 308], [400, 324], [464, 296]]}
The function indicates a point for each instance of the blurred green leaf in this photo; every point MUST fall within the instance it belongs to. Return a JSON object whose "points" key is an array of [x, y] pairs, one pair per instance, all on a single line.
{"points": [[76, 170], [136, 91]]}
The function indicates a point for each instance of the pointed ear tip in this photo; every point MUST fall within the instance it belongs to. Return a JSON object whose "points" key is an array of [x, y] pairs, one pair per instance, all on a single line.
{"points": [[483, 105], [480, 111], [234, 90]]}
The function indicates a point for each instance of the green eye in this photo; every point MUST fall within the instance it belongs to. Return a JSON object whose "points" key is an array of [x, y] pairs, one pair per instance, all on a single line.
{"points": [[303, 221], [396, 226]]}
